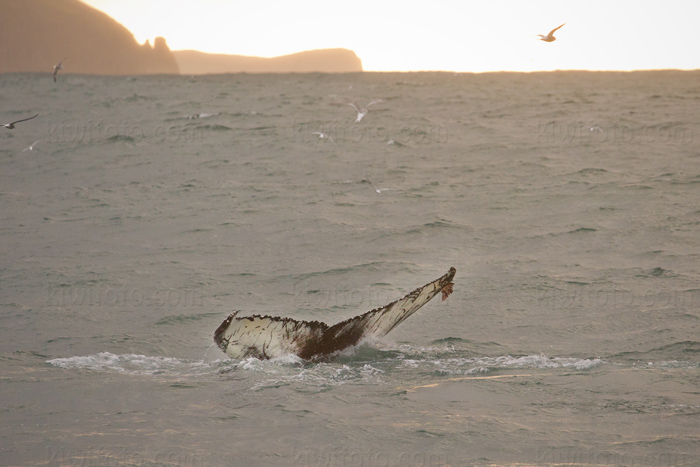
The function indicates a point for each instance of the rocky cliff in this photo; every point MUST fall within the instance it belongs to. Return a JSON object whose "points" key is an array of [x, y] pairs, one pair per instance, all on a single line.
{"points": [[323, 60], [36, 34]]}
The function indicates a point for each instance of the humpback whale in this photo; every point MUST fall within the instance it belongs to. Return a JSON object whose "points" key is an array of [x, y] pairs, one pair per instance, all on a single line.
{"points": [[266, 337]]}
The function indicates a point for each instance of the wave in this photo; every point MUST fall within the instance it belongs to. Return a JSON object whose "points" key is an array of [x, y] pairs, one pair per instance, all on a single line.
{"points": [[374, 363], [133, 364], [684, 351], [366, 364], [121, 138], [291, 371], [214, 127], [467, 366], [369, 363]]}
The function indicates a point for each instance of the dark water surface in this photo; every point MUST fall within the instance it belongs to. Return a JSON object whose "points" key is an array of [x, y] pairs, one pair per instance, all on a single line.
{"points": [[569, 203]]}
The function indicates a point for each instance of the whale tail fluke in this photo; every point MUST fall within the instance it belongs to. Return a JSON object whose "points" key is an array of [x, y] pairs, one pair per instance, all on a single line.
{"points": [[269, 337]]}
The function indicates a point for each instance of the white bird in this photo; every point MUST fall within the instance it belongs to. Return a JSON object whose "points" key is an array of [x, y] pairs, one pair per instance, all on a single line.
{"points": [[324, 136], [378, 190], [196, 116], [11, 126], [56, 68], [361, 111], [549, 37], [31, 146]]}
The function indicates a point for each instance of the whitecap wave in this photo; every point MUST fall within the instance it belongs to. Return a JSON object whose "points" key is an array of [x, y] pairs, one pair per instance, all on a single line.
{"points": [[132, 364], [464, 365], [542, 361], [371, 367], [288, 371]]}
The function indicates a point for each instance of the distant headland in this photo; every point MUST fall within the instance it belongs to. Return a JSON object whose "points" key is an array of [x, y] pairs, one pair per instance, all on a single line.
{"points": [[35, 35], [323, 60]]}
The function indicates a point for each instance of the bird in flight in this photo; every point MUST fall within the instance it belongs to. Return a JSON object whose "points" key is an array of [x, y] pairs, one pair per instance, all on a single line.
{"points": [[549, 37], [31, 146], [11, 126], [324, 136], [361, 111], [378, 190], [56, 68]]}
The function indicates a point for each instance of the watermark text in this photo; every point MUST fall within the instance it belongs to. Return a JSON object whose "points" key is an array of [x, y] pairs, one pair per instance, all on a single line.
{"points": [[74, 296], [579, 133]]}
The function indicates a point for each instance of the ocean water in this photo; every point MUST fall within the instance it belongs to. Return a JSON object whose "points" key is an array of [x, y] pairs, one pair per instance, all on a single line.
{"points": [[152, 207]]}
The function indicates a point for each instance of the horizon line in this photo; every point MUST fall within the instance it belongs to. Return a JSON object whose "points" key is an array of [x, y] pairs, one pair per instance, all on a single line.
{"points": [[559, 70]]}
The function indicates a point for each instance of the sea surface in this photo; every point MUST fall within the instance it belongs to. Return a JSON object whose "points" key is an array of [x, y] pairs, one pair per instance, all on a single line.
{"points": [[152, 207]]}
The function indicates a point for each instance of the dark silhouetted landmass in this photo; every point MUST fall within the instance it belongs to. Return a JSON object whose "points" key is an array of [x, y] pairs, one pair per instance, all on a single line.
{"points": [[36, 34], [192, 62]]}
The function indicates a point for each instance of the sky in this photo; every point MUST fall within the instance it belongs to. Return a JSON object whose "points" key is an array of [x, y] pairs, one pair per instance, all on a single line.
{"points": [[448, 35]]}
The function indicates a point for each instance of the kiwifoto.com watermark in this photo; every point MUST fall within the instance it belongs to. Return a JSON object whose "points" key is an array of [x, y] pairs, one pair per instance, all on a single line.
{"points": [[591, 456], [305, 296], [360, 133], [591, 297], [74, 296], [670, 133], [101, 131], [368, 457], [114, 456]]}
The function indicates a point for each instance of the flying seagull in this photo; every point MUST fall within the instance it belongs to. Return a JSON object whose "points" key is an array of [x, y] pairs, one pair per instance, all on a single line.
{"points": [[549, 37], [378, 190], [361, 111], [56, 68], [11, 126], [323, 136], [31, 146], [266, 337]]}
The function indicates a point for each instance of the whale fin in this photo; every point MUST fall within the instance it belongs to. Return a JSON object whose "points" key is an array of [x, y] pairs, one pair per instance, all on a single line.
{"points": [[265, 336], [268, 337], [379, 322]]}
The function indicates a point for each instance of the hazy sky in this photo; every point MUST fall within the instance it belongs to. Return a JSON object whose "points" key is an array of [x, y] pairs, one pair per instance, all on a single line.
{"points": [[449, 35]]}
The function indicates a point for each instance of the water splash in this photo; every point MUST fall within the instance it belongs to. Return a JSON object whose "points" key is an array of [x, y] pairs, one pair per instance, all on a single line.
{"points": [[134, 364], [359, 365]]}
